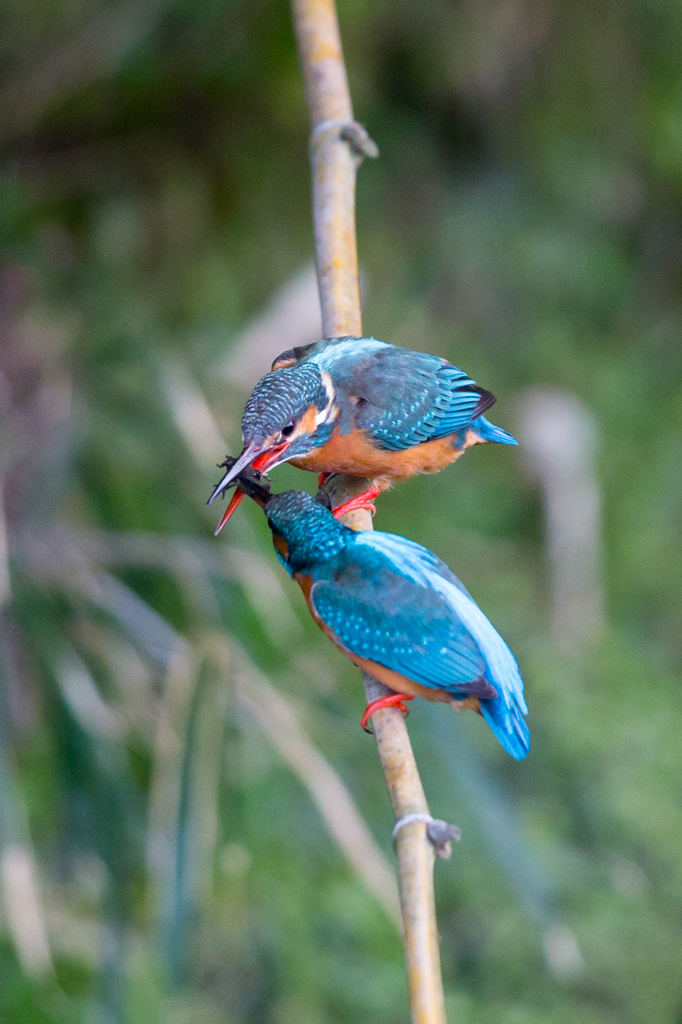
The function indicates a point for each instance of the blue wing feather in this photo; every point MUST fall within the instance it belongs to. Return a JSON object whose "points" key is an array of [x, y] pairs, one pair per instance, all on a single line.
{"points": [[505, 712], [412, 398], [376, 613], [407, 397]]}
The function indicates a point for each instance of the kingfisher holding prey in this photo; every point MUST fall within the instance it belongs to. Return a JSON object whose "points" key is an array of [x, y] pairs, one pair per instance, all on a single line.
{"points": [[397, 612], [365, 408]]}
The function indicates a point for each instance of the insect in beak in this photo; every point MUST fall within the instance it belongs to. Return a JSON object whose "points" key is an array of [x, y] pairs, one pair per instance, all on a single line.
{"points": [[250, 482]]}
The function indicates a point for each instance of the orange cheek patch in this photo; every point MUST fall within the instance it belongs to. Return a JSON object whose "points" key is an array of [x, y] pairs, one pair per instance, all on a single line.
{"points": [[307, 423], [282, 547]]}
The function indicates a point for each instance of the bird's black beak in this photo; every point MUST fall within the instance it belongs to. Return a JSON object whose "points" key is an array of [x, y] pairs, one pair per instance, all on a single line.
{"points": [[253, 457], [251, 482], [233, 468], [247, 482]]}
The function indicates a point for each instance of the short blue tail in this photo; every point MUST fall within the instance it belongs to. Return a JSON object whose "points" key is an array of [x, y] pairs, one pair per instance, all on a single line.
{"points": [[487, 431], [509, 726]]}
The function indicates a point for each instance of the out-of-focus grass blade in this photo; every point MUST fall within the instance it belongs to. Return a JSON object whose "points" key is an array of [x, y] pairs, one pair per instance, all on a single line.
{"points": [[281, 725], [192, 414], [183, 800], [21, 901], [18, 870], [189, 555], [83, 698], [502, 834], [196, 424], [48, 559]]}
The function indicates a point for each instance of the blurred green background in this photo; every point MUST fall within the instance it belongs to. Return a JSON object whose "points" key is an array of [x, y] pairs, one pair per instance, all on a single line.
{"points": [[163, 855]]}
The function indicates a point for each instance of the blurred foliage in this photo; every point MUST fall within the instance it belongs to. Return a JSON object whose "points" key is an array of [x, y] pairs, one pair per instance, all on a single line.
{"points": [[524, 220]]}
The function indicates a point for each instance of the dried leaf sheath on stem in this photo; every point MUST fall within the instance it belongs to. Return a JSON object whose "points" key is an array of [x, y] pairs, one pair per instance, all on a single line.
{"points": [[337, 147]]}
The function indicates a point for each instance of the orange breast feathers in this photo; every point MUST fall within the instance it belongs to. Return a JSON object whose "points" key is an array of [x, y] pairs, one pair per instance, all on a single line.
{"points": [[354, 453], [394, 680]]}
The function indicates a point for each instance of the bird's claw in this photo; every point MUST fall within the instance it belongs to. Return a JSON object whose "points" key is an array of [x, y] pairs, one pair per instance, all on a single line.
{"points": [[363, 500], [393, 700], [353, 506]]}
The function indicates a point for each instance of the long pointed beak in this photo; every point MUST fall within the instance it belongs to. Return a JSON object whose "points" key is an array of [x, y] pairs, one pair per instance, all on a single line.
{"points": [[251, 456], [259, 494], [243, 462], [235, 501]]}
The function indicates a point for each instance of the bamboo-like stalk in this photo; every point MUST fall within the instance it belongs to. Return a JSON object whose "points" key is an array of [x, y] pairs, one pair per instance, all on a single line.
{"points": [[337, 147]]}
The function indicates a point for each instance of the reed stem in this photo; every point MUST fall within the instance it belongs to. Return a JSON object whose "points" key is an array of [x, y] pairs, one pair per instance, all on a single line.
{"points": [[337, 146]]}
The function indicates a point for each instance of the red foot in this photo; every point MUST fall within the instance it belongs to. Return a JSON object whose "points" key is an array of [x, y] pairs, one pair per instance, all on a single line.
{"points": [[363, 500], [322, 479], [353, 506], [393, 700]]}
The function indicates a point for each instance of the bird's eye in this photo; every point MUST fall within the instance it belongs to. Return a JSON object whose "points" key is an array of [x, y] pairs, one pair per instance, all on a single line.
{"points": [[289, 429]]}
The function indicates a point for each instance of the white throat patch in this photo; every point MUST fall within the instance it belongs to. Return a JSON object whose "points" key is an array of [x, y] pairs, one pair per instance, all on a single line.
{"points": [[324, 415]]}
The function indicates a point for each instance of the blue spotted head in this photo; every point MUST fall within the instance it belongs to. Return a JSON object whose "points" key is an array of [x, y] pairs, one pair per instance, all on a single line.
{"points": [[285, 417], [304, 531]]}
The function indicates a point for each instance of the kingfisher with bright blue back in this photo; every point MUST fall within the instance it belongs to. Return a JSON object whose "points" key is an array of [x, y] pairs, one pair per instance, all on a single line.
{"points": [[361, 407], [397, 612]]}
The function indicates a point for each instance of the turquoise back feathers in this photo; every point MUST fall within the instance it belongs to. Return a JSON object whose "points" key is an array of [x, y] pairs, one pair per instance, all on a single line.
{"points": [[401, 398], [360, 406], [391, 601]]}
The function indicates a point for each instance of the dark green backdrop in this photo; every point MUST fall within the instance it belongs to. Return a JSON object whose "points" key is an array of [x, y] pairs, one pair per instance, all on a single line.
{"points": [[524, 220]]}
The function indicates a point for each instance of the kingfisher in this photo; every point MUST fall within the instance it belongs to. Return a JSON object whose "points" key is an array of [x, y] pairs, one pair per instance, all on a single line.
{"points": [[397, 612], [362, 407]]}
